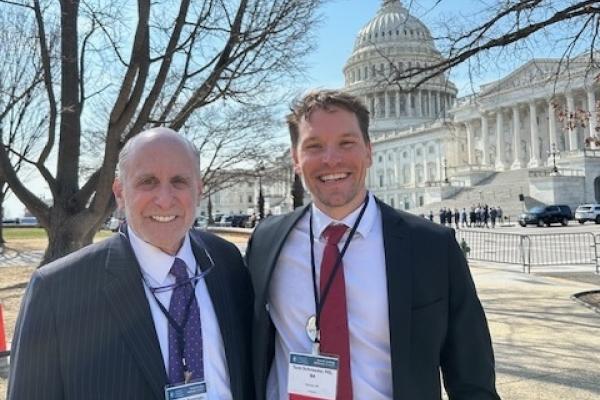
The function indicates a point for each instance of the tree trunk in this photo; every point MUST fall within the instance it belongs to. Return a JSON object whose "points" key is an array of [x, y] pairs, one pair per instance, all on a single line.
{"points": [[297, 192], [2, 241], [68, 234]]}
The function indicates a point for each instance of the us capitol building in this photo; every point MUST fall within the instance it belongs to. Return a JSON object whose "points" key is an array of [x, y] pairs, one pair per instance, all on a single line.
{"points": [[526, 139], [498, 147]]}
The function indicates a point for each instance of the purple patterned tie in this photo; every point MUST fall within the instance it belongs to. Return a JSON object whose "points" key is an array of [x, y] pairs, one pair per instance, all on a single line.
{"points": [[192, 329]]}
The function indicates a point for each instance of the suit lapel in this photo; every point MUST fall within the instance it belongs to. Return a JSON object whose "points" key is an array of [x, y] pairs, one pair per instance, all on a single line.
{"points": [[216, 284], [398, 261], [273, 240], [129, 306]]}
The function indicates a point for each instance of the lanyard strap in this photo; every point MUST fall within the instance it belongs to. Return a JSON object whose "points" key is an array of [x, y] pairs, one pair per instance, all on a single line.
{"points": [[320, 303], [179, 329]]}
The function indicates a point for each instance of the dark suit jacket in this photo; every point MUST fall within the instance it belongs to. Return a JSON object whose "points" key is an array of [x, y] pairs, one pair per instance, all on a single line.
{"points": [[85, 329], [436, 319]]}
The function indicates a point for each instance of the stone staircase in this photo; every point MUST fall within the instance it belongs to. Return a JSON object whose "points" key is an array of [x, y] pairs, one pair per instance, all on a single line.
{"points": [[500, 189]]}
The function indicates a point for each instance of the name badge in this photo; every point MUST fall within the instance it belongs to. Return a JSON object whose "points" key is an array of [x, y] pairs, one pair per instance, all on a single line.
{"points": [[187, 391], [312, 377]]}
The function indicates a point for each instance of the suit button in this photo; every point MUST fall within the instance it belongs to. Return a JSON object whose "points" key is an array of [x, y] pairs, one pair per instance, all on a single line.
{"points": [[267, 307]]}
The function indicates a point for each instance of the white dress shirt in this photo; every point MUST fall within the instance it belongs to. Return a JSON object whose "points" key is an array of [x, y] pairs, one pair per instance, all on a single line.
{"points": [[155, 266], [291, 302]]}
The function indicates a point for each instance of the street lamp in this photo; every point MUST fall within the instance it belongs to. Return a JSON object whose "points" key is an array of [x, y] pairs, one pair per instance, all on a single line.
{"points": [[261, 200], [554, 152]]}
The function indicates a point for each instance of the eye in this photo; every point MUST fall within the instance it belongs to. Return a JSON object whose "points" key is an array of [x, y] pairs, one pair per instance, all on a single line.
{"points": [[147, 182], [180, 182], [312, 146], [347, 143]]}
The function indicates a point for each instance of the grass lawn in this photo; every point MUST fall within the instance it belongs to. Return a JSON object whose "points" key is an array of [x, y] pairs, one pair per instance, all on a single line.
{"points": [[39, 233]]}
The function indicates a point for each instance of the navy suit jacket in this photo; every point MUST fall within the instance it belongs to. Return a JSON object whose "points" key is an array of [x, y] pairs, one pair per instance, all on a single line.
{"points": [[436, 320], [85, 330]]}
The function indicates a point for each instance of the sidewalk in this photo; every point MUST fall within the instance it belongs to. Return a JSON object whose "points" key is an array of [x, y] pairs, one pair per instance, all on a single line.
{"points": [[547, 346]]}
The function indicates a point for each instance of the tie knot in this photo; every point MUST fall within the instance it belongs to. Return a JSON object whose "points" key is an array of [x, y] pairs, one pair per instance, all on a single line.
{"points": [[333, 233], [179, 269]]}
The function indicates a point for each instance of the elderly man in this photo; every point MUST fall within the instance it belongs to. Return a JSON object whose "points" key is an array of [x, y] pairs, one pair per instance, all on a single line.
{"points": [[355, 300], [157, 311]]}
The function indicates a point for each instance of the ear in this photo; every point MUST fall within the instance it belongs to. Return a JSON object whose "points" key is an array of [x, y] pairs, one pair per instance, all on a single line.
{"points": [[295, 161], [370, 154], [117, 188]]}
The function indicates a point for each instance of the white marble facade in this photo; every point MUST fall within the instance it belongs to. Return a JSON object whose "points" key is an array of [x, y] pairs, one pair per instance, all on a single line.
{"points": [[427, 143]]}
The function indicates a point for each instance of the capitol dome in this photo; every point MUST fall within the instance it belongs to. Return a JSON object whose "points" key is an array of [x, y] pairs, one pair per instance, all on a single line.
{"points": [[391, 42], [393, 23]]}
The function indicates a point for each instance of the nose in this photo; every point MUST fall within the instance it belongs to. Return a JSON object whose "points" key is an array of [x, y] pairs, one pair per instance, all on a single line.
{"points": [[164, 197], [331, 155]]}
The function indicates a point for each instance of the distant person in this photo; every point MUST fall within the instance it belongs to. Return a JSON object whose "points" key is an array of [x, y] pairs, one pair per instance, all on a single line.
{"points": [[154, 307], [493, 215], [456, 218], [463, 217], [399, 308]]}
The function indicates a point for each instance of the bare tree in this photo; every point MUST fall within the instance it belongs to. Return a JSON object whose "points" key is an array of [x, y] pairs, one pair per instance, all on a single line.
{"points": [[21, 119], [122, 69], [498, 31]]}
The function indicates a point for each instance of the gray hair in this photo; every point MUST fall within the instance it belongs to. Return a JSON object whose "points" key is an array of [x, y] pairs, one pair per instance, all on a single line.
{"points": [[150, 134]]}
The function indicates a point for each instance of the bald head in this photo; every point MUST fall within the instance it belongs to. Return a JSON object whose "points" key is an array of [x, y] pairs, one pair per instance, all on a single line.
{"points": [[159, 187], [155, 135]]}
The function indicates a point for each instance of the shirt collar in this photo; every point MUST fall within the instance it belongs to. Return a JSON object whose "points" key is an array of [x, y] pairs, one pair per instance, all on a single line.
{"points": [[322, 220], [155, 263]]}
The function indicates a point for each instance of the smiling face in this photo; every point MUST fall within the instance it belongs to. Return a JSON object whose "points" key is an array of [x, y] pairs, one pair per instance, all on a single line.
{"points": [[332, 157], [159, 190]]}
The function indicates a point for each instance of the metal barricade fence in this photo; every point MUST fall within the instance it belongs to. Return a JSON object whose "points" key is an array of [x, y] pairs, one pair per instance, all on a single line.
{"points": [[531, 250]]}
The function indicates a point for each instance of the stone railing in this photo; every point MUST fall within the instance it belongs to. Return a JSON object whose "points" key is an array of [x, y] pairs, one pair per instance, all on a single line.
{"points": [[540, 173]]}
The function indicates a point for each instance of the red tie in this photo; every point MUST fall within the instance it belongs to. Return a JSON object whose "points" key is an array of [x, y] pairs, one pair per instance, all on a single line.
{"points": [[335, 338]]}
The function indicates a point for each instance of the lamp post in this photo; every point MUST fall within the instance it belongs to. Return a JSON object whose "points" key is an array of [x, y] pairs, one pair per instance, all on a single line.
{"points": [[554, 152], [261, 200]]}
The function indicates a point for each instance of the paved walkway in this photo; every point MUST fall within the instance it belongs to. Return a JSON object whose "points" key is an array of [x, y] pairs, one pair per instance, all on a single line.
{"points": [[547, 346]]}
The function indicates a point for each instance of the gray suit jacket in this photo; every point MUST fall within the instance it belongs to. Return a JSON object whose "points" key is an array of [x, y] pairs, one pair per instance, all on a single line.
{"points": [[85, 330], [436, 320]]}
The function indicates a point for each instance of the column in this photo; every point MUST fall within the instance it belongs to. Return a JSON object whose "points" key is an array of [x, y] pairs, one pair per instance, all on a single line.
{"points": [[419, 106], [425, 169], [413, 172], [534, 157], [571, 128], [396, 166], [591, 100], [552, 125], [470, 144], [397, 103], [500, 165], [430, 102], [409, 105], [386, 112], [484, 139], [438, 161], [385, 169], [517, 156]]}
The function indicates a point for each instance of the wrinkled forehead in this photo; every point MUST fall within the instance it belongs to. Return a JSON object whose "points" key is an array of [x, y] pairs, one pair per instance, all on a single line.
{"points": [[162, 157]]}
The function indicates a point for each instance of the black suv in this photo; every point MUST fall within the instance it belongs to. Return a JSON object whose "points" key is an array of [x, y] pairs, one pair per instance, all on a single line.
{"points": [[546, 215]]}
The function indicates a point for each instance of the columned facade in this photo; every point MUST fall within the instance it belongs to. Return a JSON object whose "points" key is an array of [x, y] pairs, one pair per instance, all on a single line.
{"points": [[421, 136]]}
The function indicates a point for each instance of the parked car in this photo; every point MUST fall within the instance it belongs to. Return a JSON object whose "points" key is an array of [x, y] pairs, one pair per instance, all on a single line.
{"points": [[28, 221], [201, 222], [588, 212], [112, 224], [546, 215]]}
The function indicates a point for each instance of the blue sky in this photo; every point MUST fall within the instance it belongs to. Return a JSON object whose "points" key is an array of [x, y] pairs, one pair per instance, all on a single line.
{"points": [[342, 19]]}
